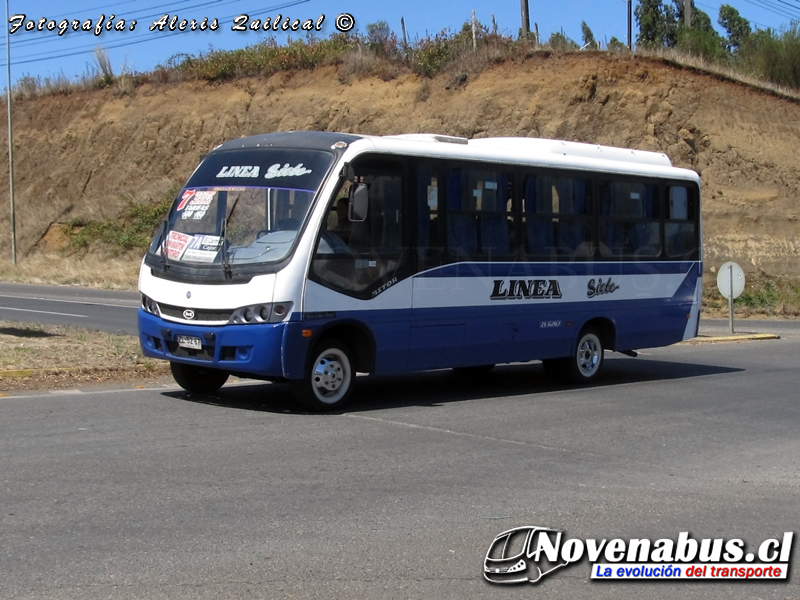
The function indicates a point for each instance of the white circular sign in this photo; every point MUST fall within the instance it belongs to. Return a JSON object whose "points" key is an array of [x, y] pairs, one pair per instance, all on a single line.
{"points": [[730, 278]]}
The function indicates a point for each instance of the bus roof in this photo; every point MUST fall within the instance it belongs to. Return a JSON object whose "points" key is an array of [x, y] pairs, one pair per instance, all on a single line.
{"points": [[534, 146], [519, 150]]}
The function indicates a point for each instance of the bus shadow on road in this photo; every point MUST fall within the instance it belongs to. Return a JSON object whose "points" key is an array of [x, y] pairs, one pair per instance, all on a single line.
{"points": [[441, 387], [435, 388]]}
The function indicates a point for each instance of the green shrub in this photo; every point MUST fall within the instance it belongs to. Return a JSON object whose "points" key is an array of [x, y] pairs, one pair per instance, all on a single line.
{"points": [[131, 232], [429, 55]]}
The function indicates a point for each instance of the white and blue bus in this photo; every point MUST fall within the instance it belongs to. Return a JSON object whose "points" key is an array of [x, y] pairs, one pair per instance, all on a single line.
{"points": [[309, 257]]}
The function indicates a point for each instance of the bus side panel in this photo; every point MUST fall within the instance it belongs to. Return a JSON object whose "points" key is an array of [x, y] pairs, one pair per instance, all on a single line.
{"points": [[386, 318], [660, 321], [462, 317]]}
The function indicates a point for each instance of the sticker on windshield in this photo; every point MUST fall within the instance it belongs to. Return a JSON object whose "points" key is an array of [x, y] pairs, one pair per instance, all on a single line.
{"points": [[187, 195], [196, 204], [202, 248], [176, 244]]}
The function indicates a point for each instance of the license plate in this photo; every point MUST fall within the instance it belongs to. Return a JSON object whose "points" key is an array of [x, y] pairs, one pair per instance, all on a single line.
{"points": [[189, 341]]}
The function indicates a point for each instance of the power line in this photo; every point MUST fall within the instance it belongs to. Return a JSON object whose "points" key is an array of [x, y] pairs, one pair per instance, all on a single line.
{"points": [[49, 36], [778, 10], [110, 7], [142, 38], [773, 9]]}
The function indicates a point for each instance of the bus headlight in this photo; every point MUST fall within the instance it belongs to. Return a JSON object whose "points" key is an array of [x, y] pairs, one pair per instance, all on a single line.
{"points": [[150, 305], [261, 313]]}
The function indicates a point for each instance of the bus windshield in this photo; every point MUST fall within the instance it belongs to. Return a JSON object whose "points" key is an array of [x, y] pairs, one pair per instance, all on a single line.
{"points": [[242, 207]]}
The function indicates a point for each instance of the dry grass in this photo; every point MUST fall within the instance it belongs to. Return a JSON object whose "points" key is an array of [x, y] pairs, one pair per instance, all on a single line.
{"points": [[59, 356], [87, 271], [689, 61], [361, 63]]}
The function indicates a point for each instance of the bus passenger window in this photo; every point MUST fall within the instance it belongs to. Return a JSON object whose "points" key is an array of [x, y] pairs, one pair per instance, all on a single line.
{"points": [[556, 219], [629, 223], [680, 230], [429, 246], [479, 217]]}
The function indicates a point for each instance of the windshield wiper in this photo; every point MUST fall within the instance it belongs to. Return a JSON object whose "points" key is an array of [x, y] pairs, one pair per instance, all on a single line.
{"points": [[226, 263], [164, 257]]}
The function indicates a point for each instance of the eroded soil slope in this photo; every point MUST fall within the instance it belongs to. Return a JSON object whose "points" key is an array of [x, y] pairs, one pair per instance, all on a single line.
{"points": [[88, 154]]}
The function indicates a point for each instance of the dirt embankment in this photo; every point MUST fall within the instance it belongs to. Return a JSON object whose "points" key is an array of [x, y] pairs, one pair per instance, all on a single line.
{"points": [[88, 154]]}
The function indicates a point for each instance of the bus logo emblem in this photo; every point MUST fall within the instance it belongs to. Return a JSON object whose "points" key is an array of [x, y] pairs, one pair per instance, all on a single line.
{"points": [[188, 314], [515, 556]]}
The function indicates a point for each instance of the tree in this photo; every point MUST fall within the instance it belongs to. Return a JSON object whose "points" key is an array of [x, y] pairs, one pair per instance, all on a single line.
{"points": [[588, 37], [615, 44], [700, 20], [657, 27], [559, 41], [738, 27], [380, 39]]}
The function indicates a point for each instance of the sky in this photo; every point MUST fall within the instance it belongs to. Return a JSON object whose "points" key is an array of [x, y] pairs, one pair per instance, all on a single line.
{"points": [[46, 54]]}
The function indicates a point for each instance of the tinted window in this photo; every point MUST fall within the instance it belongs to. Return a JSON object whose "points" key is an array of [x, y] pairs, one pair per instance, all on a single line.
{"points": [[629, 219], [479, 214], [556, 219]]}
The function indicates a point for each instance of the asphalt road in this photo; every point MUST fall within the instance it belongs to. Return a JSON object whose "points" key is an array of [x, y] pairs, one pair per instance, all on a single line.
{"points": [[151, 493], [105, 310]]}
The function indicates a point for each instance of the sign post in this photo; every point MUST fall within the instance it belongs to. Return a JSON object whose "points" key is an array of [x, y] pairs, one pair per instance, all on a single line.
{"points": [[730, 281]]}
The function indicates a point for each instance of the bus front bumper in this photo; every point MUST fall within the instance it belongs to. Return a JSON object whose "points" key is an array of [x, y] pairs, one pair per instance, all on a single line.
{"points": [[247, 349]]}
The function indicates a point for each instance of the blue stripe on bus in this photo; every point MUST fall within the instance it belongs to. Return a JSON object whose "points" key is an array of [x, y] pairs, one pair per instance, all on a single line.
{"points": [[527, 269], [431, 338]]}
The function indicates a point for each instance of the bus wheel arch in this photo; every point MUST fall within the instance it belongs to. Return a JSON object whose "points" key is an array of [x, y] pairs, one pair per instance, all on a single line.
{"points": [[332, 363], [586, 362], [358, 338], [606, 330]]}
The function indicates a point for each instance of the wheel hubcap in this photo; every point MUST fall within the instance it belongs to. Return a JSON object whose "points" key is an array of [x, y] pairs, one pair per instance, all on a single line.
{"points": [[588, 356], [329, 375]]}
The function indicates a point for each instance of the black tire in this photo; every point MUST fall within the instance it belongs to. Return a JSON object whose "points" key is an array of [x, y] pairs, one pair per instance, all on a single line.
{"points": [[198, 380], [584, 366], [330, 377]]}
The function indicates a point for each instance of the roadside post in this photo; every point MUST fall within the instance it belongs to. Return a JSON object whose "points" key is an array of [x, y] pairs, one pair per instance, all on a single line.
{"points": [[730, 281]]}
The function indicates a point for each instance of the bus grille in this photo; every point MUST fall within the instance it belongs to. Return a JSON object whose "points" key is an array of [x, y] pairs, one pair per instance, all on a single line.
{"points": [[200, 314]]}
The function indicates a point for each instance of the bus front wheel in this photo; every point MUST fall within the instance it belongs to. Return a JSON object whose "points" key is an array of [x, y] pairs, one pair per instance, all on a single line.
{"points": [[329, 381], [584, 366], [198, 380]]}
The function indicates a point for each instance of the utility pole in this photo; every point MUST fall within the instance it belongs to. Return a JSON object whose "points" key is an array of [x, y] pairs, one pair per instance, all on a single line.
{"points": [[526, 19], [10, 147], [688, 13], [630, 14]]}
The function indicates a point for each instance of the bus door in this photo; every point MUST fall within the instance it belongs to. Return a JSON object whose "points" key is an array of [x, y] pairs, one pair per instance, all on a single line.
{"points": [[364, 265]]}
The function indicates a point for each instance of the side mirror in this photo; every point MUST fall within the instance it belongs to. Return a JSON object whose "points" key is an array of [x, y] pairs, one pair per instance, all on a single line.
{"points": [[348, 172], [359, 200]]}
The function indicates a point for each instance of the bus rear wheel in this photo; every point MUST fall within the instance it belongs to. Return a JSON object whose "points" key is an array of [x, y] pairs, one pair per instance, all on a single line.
{"points": [[584, 366], [198, 380], [329, 381]]}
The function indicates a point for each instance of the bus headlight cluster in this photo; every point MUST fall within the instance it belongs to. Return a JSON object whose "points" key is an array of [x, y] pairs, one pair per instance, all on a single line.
{"points": [[150, 305], [261, 313]]}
